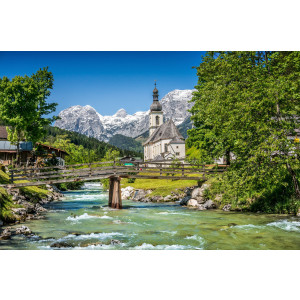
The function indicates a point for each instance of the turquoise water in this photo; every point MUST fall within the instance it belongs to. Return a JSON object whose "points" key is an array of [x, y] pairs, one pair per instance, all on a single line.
{"points": [[83, 221]]}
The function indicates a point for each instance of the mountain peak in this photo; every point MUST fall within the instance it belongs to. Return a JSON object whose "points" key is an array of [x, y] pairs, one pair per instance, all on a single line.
{"points": [[121, 113]]}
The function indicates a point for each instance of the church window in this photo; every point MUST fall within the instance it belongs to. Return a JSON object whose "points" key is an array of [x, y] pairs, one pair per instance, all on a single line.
{"points": [[166, 148], [157, 120], [177, 153]]}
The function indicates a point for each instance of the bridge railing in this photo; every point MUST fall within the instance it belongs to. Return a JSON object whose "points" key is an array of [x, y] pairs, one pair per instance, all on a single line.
{"points": [[98, 170]]}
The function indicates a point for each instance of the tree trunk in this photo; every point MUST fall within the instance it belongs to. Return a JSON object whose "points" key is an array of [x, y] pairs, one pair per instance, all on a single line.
{"points": [[227, 157], [18, 154], [295, 180]]}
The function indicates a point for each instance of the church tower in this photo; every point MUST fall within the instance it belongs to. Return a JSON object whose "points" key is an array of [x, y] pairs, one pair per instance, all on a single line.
{"points": [[156, 114]]}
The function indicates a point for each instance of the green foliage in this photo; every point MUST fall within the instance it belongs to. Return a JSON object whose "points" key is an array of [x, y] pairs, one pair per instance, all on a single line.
{"points": [[5, 204], [23, 105], [126, 143], [248, 104], [67, 186], [111, 155]]}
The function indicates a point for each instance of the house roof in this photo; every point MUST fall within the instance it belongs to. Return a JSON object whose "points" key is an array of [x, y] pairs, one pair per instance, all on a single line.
{"points": [[165, 131], [3, 132], [50, 147], [177, 140]]}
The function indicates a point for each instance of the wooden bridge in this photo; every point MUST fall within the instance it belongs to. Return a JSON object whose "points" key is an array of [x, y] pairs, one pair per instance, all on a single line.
{"points": [[113, 170]]}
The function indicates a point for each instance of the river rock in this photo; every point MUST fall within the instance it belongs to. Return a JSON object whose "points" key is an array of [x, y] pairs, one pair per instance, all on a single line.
{"points": [[185, 200], [198, 193], [19, 211], [115, 242], [227, 207], [157, 199], [209, 204], [168, 198], [23, 230], [27, 205], [127, 192], [201, 207], [192, 203], [39, 208], [188, 191], [6, 234], [61, 245], [140, 195]]}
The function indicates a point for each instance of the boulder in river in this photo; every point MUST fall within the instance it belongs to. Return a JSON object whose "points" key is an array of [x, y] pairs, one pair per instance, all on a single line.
{"points": [[192, 203], [6, 234], [201, 207], [227, 207], [209, 204], [127, 192], [185, 200], [23, 230], [115, 242], [140, 195], [61, 245], [39, 208], [198, 193]]}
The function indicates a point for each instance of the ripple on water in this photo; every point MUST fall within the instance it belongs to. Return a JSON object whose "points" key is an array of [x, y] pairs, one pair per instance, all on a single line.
{"points": [[197, 238], [146, 246], [286, 225], [86, 216], [171, 213]]}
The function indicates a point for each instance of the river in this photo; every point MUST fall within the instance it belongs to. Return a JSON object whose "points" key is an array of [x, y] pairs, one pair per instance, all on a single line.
{"points": [[83, 221]]}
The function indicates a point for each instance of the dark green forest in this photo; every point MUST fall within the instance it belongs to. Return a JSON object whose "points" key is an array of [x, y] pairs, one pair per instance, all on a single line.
{"points": [[126, 143], [90, 143]]}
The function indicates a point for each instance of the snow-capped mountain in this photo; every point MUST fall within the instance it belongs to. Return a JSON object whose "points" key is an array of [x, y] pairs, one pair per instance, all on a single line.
{"points": [[86, 120]]}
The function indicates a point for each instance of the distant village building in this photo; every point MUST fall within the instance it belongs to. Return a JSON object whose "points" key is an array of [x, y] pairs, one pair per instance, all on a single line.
{"points": [[8, 151], [165, 141]]}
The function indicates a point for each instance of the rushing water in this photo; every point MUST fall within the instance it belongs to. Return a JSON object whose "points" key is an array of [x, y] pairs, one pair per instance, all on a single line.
{"points": [[83, 221]]}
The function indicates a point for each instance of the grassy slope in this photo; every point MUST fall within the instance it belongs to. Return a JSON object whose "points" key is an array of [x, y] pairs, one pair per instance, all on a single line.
{"points": [[35, 193], [160, 187]]}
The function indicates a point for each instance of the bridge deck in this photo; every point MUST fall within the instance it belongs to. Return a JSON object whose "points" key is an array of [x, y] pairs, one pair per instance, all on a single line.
{"points": [[94, 171]]}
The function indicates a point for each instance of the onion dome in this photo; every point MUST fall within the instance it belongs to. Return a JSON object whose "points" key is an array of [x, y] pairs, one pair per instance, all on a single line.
{"points": [[156, 106]]}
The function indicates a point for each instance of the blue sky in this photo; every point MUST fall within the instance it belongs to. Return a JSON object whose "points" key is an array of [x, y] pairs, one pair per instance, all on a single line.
{"points": [[107, 81]]}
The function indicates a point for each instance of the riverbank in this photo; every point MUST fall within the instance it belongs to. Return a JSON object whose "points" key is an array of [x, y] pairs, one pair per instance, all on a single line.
{"points": [[21, 204], [198, 196]]}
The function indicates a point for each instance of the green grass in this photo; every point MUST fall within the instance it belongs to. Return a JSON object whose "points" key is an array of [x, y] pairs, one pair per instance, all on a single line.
{"points": [[160, 187]]}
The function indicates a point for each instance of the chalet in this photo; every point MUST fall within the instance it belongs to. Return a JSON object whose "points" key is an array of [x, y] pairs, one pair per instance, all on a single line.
{"points": [[49, 152], [8, 152]]}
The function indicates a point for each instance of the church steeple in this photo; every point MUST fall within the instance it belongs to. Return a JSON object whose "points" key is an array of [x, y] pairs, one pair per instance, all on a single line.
{"points": [[156, 114], [156, 106]]}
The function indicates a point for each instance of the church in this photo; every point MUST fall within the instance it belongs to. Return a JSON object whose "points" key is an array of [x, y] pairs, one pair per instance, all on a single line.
{"points": [[165, 141]]}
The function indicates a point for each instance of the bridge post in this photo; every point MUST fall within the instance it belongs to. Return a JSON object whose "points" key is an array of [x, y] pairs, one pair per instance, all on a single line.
{"points": [[114, 199]]}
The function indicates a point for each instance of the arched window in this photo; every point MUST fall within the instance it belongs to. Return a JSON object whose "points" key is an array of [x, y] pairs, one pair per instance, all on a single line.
{"points": [[157, 120]]}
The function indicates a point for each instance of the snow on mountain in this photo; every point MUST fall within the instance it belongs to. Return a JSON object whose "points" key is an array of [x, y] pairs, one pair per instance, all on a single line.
{"points": [[86, 120]]}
